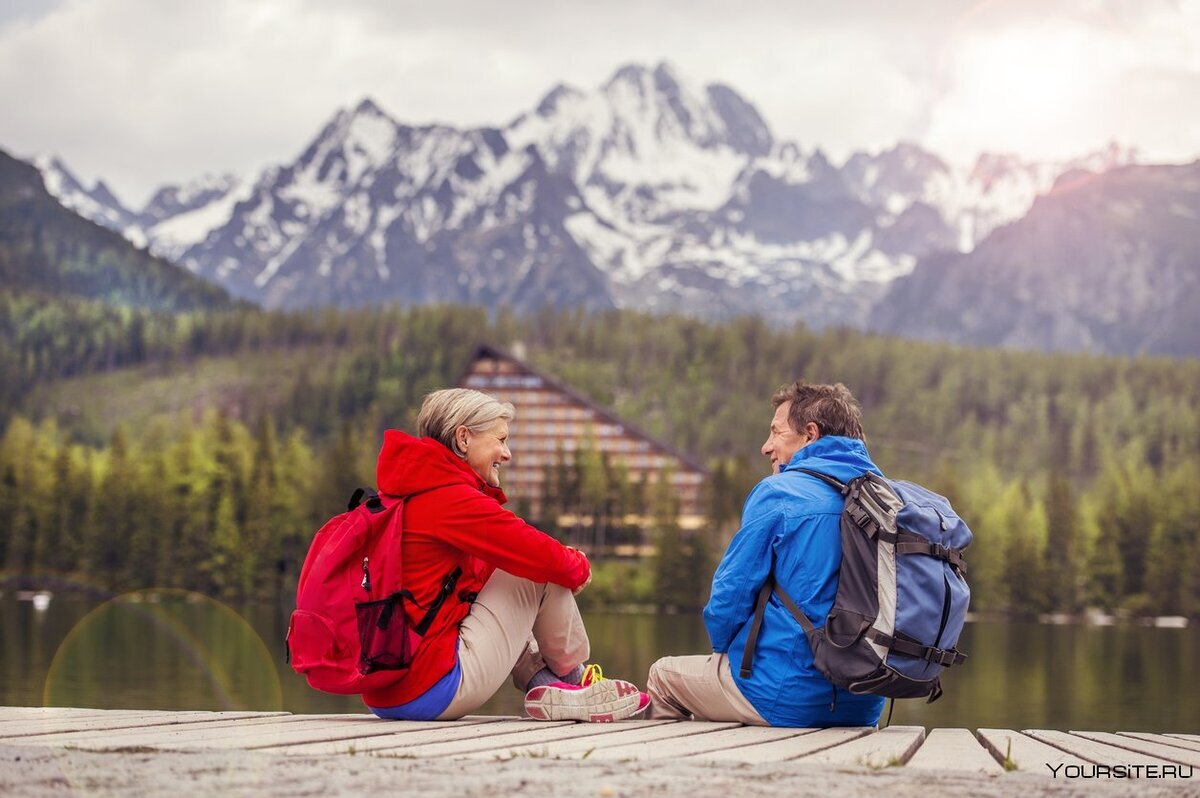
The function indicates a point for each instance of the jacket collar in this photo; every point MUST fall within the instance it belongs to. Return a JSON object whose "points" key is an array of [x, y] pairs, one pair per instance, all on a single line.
{"points": [[409, 465], [839, 457]]}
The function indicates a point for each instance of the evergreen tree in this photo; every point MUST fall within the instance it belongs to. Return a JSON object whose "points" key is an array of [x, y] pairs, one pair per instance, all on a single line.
{"points": [[1063, 550]]}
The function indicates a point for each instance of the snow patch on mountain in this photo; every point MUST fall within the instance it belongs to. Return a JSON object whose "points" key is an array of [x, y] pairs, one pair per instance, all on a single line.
{"points": [[175, 234], [648, 191]]}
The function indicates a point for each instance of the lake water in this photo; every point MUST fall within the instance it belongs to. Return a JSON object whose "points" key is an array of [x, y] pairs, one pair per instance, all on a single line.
{"points": [[190, 652]]}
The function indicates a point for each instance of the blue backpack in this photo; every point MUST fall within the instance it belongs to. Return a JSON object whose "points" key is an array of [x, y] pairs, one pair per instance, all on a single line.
{"points": [[902, 593]]}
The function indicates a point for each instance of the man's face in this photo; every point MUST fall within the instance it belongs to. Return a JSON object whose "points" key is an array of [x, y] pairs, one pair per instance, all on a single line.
{"points": [[783, 442]]}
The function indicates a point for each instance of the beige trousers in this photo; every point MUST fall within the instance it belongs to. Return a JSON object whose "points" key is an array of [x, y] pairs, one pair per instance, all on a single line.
{"points": [[516, 626], [700, 686]]}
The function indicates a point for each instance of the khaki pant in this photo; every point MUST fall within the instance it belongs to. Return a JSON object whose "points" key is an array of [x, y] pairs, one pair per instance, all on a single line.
{"points": [[516, 626], [699, 686]]}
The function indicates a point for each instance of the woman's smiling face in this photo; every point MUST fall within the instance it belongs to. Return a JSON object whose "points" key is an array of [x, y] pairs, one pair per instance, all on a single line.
{"points": [[486, 450]]}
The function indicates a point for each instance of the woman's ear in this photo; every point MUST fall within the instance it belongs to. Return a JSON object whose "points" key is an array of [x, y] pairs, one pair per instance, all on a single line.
{"points": [[462, 435]]}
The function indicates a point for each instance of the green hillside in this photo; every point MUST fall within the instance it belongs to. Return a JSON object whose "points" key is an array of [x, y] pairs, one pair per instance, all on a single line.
{"points": [[236, 432], [48, 249]]}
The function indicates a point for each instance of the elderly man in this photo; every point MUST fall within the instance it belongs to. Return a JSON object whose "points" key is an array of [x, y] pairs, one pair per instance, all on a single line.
{"points": [[790, 527]]}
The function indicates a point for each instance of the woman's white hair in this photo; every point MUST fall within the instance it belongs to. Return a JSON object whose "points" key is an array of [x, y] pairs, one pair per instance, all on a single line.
{"points": [[446, 410]]}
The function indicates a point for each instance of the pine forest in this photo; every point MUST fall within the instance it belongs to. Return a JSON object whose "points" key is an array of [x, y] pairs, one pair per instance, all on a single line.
{"points": [[201, 449]]}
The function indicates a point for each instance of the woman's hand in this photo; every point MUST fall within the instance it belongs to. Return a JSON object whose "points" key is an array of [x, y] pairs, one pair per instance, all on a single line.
{"points": [[587, 581]]}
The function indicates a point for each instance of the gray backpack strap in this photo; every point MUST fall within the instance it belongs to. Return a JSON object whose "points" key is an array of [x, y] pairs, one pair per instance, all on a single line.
{"points": [[939, 656], [796, 612], [839, 486], [769, 586], [908, 543], [760, 609]]}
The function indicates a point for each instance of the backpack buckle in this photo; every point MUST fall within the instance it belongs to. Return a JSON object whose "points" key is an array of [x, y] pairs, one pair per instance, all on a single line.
{"points": [[942, 657]]}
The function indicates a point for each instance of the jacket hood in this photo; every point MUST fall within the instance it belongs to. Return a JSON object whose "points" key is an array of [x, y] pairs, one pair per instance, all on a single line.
{"points": [[409, 465], [841, 458]]}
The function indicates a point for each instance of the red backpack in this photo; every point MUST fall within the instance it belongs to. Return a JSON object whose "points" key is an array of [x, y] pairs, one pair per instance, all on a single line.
{"points": [[350, 633]]}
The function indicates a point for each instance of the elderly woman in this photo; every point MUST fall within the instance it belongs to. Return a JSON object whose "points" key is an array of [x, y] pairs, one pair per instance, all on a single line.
{"points": [[512, 605]]}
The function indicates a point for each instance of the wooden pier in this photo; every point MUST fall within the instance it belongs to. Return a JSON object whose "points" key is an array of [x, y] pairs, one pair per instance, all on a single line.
{"points": [[985, 751]]}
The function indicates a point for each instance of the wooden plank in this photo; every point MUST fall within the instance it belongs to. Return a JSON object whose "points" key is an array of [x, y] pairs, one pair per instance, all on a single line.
{"points": [[502, 746], [604, 735], [53, 731], [1136, 745], [396, 739], [227, 736], [810, 741], [312, 728], [32, 713], [624, 734], [735, 737], [24, 714], [1165, 739], [1097, 753], [1192, 738], [954, 749], [1027, 754], [9, 719], [891, 746]]}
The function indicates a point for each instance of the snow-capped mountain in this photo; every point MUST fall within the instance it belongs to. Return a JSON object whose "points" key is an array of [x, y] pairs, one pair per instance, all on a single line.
{"points": [[647, 192], [175, 218], [97, 204], [376, 211], [179, 216], [1103, 262]]}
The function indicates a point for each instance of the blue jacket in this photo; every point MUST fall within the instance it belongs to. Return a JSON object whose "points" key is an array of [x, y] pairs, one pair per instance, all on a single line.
{"points": [[793, 519]]}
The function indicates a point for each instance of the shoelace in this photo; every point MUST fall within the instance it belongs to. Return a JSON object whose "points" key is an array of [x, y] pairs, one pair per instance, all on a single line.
{"points": [[592, 674]]}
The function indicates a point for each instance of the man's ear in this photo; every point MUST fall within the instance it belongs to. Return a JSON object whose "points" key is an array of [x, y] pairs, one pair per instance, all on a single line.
{"points": [[812, 431]]}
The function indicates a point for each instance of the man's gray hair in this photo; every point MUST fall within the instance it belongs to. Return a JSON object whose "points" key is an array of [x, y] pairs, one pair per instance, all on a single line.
{"points": [[446, 410], [832, 408]]}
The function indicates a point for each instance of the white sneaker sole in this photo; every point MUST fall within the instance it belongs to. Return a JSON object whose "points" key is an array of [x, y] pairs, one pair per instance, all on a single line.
{"points": [[602, 702]]}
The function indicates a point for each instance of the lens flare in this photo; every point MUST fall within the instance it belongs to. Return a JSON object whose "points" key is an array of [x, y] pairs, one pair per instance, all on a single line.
{"points": [[194, 653]]}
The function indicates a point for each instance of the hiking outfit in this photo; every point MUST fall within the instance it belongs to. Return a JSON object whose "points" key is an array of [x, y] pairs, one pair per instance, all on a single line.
{"points": [[514, 586], [791, 529]]}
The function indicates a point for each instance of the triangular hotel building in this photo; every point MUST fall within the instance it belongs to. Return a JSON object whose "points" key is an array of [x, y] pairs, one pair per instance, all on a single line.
{"points": [[552, 416]]}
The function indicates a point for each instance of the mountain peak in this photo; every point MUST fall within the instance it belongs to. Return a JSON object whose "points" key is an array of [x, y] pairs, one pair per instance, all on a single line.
{"points": [[555, 97], [662, 78], [103, 194], [368, 107], [666, 79], [630, 74]]}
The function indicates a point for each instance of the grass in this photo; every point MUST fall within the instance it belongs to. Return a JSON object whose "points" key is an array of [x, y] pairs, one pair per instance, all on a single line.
{"points": [[875, 764], [1009, 763]]}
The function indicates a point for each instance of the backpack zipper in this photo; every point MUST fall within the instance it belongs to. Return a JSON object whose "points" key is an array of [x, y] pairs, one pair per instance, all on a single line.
{"points": [[366, 580], [937, 643]]}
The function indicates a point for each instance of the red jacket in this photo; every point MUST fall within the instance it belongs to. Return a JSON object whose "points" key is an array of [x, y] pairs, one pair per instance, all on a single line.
{"points": [[453, 518]]}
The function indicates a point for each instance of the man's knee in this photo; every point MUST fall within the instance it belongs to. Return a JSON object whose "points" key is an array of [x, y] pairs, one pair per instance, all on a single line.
{"points": [[657, 668]]}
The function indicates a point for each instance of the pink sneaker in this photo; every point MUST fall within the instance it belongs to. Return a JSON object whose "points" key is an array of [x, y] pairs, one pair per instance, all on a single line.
{"points": [[595, 699]]}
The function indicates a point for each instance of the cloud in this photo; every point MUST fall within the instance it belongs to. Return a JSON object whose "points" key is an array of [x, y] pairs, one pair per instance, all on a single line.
{"points": [[148, 91], [1069, 82]]}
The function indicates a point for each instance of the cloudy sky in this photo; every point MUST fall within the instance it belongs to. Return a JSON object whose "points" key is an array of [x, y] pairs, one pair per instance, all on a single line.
{"points": [[143, 92]]}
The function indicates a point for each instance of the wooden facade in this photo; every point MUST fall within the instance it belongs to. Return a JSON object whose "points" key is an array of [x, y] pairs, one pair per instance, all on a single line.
{"points": [[552, 418]]}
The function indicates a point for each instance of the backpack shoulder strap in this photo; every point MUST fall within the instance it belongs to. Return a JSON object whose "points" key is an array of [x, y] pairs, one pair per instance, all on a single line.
{"points": [[760, 610], [369, 496], [838, 485]]}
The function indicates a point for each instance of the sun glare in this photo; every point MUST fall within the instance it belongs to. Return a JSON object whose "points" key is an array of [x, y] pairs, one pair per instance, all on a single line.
{"points": [[1022, 90]]}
